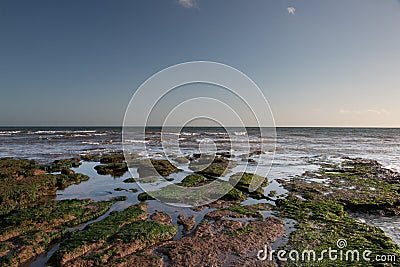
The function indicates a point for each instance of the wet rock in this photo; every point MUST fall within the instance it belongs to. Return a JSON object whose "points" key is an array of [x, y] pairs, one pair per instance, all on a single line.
{"points": [[181, 160], [130, 180], [225, 154], [112, 158], [26, 233], [113, 169], [272, 193], [146, 180], [193, 180], [157, 167], [161, 217], [320, 223], [360, 184], [196, 195], [223, 214], [210, 166], [223, 242], [60, 164], [234, 195], [95, 237], [242, 182], [145, 196], [249, 160], [188, 223], [122, 239], [90, 157], [22, 183], [67, 171]]}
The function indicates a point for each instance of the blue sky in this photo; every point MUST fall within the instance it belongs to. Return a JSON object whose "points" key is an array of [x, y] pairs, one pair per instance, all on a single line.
{"points": [[329, 63]]}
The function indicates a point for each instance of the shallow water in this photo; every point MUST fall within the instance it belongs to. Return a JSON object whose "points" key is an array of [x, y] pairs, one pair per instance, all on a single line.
{"points": [[390, 225], [297, 150]]}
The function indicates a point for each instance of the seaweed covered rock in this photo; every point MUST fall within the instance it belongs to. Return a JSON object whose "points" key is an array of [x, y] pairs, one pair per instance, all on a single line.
{"points": [[130, 180], [320, 211], [113, 169], [144, 196], [359, 184], [188, 223], [146, 180], [198, 194], [210, 166], [90, 157], [156, 167], [243, 181], [234, 195], [26, 233], [161, 217], [224, 241], [112, 158], [117, 239], [321, 223], [62, 164], [23, 183], [193, 180]]}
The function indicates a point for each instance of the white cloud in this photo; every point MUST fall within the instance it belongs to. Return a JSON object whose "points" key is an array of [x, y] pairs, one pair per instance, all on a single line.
{"points": [[366, 111], [188, 3], [378, 112], [291, 10]]}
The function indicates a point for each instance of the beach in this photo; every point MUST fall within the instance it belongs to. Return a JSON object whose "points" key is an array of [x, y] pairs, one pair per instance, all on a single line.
{"points": [[70, 197]]}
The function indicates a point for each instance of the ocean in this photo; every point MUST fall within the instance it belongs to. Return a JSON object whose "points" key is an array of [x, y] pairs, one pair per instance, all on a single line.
{"points": [[296, 148], [288, 154]]}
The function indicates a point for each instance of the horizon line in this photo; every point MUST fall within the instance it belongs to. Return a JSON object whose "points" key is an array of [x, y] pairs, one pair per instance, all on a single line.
{"points": [[200, 126]]}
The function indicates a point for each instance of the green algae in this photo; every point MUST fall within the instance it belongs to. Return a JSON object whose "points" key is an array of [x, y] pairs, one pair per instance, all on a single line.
{"points": [[234, 195], [130, 180], [61, 164], [118, 238], [249, 211], [214, 168], [112, 158], [244, 230], [321, 223], [147, 231], [156, 167], [321, 211], [359, 187], [193, 180], [28, 232], [146, 180], [101, 230], [23, 183], [144, 196], [113, 169], [243, 181]]}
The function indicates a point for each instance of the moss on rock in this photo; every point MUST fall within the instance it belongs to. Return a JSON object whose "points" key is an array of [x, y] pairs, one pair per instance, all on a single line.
{"points": [[22, 183], [242, 182], [113, 169], [157, 167], [214, 167], [26, 233]]}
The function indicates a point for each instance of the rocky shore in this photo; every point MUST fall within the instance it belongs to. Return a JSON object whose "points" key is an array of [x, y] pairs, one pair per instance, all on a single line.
{"points": [[228, 233]]}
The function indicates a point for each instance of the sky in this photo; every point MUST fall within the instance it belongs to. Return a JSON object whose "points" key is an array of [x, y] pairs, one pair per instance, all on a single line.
{"points": [[318, 63]]}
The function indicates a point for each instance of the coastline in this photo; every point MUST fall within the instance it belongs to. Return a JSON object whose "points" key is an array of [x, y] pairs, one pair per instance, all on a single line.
{"points": [[306, 202]]}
